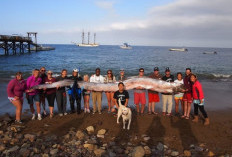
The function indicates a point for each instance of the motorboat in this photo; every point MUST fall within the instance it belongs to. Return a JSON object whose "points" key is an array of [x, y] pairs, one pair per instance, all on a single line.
{"points": [[178, 49], [42, 48], [125, 46], [210, 52]]}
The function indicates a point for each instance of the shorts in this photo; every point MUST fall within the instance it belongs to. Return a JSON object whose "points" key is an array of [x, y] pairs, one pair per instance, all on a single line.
{"points": [[188, 97], [32, 98], [178, 98], [153, 97], [13, 99], [139, 98]]}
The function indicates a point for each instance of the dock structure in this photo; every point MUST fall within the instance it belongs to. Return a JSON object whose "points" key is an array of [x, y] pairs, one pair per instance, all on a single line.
{"points": [[14, 45]]}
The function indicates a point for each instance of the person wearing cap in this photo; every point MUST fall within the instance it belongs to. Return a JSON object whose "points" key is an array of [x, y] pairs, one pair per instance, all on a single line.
{"points": [[42, 92], [75, 92], [140, 95], [96, 95], [15, 90], [167, 97], [122, 76], [153, 96], [50, 93], [61, 97], [187, 98]]}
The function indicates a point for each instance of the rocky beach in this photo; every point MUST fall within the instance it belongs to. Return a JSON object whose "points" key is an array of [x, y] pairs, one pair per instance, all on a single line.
{"points": [[100, 135]]}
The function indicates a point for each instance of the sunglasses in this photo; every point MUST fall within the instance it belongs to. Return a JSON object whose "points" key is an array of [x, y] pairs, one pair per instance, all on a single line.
{"points": [[49, 73], [42, 70]]}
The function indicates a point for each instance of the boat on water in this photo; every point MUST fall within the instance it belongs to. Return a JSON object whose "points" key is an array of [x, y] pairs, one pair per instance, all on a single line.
{"points": [[42, 48], [210, 52], [178, 49], [125, 46], [83, 44]]}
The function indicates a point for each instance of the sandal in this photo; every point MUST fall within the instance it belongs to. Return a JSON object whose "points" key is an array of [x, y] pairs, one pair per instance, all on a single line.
{"points": [[186, 117], [183, 116], [155, 113]]}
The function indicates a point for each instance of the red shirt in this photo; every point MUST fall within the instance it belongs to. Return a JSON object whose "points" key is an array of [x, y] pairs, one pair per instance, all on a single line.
{"points": [[50, 90], [197, 91]]}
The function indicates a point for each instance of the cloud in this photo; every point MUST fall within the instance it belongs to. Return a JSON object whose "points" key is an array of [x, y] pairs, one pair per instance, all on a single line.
{"points": [[107, 5]]}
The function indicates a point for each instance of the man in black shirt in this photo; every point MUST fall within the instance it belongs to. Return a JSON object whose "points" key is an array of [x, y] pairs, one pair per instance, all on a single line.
{"points": [[167, 97], [121, 94]]}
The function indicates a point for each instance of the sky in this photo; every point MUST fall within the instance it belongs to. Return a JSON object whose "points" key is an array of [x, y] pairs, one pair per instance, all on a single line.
{"points": [[193, 23]]}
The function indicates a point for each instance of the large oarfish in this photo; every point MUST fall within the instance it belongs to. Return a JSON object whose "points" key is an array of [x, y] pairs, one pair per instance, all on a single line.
{"points": [[131, 83]]}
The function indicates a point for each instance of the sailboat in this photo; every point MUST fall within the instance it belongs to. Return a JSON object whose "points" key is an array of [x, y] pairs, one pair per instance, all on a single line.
{"points": [[83, 44]]}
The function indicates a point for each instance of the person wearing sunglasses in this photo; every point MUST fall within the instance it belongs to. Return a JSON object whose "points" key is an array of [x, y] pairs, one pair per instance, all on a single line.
{"points": [[33, 95], [50, 93], [42, 92], [110, 78], [140, 95]]}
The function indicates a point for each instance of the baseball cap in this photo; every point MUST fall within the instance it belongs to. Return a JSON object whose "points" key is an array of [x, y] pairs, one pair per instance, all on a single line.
{"points": [[167, 69], [75, 70], [156, 69], [121, 69]]}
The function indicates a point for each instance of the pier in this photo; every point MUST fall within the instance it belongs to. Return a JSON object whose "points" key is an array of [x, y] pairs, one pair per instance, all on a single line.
{"points": [[13, 45]]}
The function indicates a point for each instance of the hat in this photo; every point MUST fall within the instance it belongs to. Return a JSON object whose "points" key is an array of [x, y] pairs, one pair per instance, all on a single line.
{"points": [[156, 69], [121, 69], [75, 70], [167, 69]]}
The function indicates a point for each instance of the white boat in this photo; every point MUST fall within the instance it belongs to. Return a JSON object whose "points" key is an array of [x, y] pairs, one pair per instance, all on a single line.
{"points": [[212, 52], [83, 44], [42, 48], [125, 46], [178, 49]]}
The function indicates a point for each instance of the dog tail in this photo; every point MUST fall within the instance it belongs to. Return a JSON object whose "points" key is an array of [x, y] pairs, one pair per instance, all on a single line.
{"points": [[119, 102]]}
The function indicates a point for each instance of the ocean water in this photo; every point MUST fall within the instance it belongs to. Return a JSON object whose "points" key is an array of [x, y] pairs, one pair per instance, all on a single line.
{"points": [[207, 66], [215, 71]]}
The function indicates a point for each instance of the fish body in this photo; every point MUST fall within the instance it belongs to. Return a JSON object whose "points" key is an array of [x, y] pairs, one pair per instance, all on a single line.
{"points": [[131, 83]]}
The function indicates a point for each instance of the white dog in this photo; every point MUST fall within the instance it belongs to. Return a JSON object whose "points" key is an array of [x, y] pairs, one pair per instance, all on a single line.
{"points": [[126, 114]]}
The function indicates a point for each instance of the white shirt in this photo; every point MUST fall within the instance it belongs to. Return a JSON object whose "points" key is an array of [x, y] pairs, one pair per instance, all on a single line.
{"points": [[97, 79], [180, 82]]}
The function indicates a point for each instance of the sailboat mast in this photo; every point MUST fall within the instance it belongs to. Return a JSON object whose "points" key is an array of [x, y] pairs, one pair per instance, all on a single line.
{"points": [[83, 37], [94, 37], [88, 36]]}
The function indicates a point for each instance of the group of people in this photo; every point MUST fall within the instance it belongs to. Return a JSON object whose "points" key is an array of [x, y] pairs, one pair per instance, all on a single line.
{"points": [[192, 93]]}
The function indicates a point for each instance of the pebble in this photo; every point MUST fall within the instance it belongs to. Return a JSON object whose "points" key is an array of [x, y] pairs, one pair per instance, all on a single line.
{"points": [[90, 146], [138, 152], [101, 132], [160, 146], [174, 153], [90, 129], [187, 153], [210, 153], [24, 152], [99, 152], [53, 151], [147, 150], [80, 135], [30, 137], [2, 148]]}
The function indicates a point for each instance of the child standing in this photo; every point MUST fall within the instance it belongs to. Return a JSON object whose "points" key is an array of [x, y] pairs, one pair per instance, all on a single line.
{"points": [[179, 96]]}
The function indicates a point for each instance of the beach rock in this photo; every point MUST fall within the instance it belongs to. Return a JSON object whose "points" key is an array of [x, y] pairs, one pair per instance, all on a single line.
{"points": [[45, 155], [138, 152], [90, 129], [100, 136], [53, 151], [174, 153], [99, 152], [199, 149], [210, 154], [90, 147], [111, 154], [67, 136], [2, 148], [147, 150], [12, 149], [24, 152], [80, 135], [160, 146], [1, 132], [36, 150], [101, 132], [30, 137], [146, 138], [187, 153], [25, 145]]}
